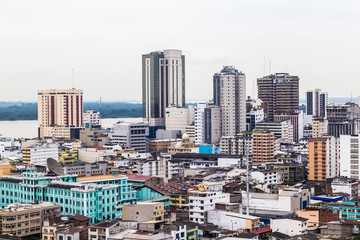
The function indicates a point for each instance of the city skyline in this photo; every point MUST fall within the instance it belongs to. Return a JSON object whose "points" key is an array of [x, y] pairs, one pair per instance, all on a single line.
{"points": [[318, 46]]}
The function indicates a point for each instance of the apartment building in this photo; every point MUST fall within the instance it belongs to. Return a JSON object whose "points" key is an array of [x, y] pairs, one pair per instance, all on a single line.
{"points": [[323, 159], [319, 127], [202, 201], [282, 129], [231, 91], [59, 108], [262, 147], [24, 220], [240, 144], [349, 156], [233, 221]]}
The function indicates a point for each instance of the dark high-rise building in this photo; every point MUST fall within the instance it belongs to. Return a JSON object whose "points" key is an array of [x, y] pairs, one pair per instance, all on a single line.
{"points": [[163, 84], [280, 93], [316, 103], [216, 89]]}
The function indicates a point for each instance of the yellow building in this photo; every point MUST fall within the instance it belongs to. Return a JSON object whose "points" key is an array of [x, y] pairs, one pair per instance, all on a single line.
{"points": [[49, 232], [178, 200], [68, 156], [5, 168]]}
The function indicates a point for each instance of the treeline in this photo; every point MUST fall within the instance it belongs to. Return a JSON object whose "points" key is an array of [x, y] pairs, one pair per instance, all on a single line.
{"points": [[28, 111]]}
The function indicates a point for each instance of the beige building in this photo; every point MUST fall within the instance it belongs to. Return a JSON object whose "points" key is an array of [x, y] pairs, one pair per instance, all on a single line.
{"points": [[26, 219], [143, 212], [319, 127], [5, 168], [61, 109]]}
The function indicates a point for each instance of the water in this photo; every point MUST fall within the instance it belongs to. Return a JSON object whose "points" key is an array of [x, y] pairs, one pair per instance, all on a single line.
{"points": [[29, 128]]}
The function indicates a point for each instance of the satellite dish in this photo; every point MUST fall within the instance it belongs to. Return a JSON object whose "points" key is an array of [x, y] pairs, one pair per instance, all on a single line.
{"points": [[55, 167]]}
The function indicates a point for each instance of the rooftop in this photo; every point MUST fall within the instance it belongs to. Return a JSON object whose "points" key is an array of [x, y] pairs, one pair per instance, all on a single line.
{"points": [[104, 224]]}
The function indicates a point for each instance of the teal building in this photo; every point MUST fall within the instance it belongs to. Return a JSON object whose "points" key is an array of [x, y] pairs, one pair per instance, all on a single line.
{"points": [[350, 210], [99, 198]]}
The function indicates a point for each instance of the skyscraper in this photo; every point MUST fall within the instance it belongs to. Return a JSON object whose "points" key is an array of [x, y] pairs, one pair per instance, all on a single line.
{"points": [[230, 95], [59, 110], [316, 103], [163, 84], [280, 93]]}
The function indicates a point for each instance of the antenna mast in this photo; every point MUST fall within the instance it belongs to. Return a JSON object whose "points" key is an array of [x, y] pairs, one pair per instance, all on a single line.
{"points": [[73, 78]]}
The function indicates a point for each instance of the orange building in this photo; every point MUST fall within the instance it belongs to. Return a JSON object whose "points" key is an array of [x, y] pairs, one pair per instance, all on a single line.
{"points": [[262, 146], [323, 158]]}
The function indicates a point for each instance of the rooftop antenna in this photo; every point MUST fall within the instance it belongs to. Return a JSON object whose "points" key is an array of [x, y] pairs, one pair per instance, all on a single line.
{"points": [[269, 66], [264, 65], [73, 78]]}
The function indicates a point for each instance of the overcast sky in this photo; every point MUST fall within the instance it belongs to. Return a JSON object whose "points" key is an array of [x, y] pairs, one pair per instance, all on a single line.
{"points": [[41, 41]]}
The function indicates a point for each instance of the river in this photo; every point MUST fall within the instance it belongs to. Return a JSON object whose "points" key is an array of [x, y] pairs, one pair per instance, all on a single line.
{"points": [[29, 128]]}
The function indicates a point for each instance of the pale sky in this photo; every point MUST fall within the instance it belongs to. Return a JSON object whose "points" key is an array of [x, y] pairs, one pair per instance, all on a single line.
{"points": [[41, 41]]}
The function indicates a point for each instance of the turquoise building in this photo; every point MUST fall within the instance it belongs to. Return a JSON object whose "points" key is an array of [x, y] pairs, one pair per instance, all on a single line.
{"points": [[350, 210], [99, 198]]}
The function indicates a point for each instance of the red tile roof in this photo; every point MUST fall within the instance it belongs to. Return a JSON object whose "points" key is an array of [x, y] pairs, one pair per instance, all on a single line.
{"points": [[261, 230]]}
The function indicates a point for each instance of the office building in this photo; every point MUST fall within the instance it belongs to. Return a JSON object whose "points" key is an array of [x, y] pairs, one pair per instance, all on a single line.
{"points": [[253, 116], [323, 160], [200, 123], [94, 135], [59, 108], [24, 220], [280, 93], [232, 100], [130, 135], [39, 153], [92, 117], [282, 129], [262, 146], [212, 124], [316, 102], [163, 84], [177, 118], [343, 119], [349, 156], [297, 120]]}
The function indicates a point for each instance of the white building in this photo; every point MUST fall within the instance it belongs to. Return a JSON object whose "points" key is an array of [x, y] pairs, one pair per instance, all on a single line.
{"points": [[290, 226], [289, 200], [240, 144], [233, 221], [232, 100], [177, 118], [9, 148], [200, 123], [200, 202], [316, 102], [39, 153], [349, 156], [92, 117], [345, 185], [212, 125], [282, 129], [159, 167], [229, 162], [254, 116], [132, 135], [268, 177]]}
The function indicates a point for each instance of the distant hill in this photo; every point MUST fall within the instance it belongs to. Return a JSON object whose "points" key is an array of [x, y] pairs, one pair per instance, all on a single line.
{"points": [[28, 111]]}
